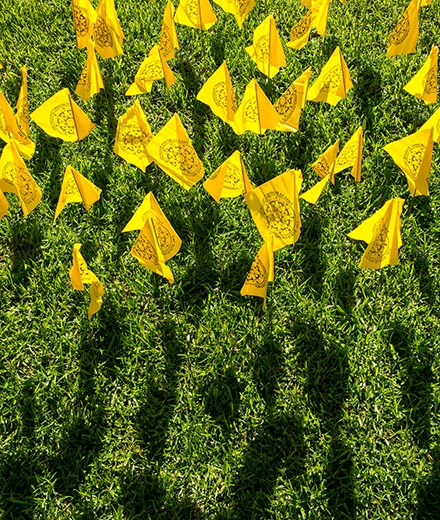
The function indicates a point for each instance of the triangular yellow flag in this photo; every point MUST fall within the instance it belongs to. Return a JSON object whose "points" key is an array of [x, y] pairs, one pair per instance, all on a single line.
{"points": [[320, 15], [300, 33], [90, 81], [168, 240], [274, 206], [195, 13], [229, 179], [107, 32], [76, 188], [434, 123], [424, 84], [403, 39], [239, 8], [171, 150], [80, 274], [291, 102], [413, 155], [84, 17], [61, 117], [22, 106], [154, 67], [133, 136], [218, 93], [267, 50], [168, 36], [4, 205], [15, 178], [333, 82], [255, 113], [148, 252], [11, 131], [351, 155], [261, 272], [324, 166], [382, 234]]}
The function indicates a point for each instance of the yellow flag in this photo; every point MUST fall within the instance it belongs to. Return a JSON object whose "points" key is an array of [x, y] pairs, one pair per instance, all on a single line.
{"points": [[351, 155], [324, 166], [300, 33], [84, 17], [22, 106], [424, 84], [333, 82], [403, 39], [107, 32], [195, 13], [424, 3], [255, 113], [61, 117], [76, 188], [80, 274], [3, 205], [267, 50], [307, 3], [218, 93], [171, 150], [15, 178], [133, 136], [167, 238], [261, 272], [168, 36], [274, 206], [239, 8], [11, 131], [90, 81], [320, 15], [413, 155], [434, 123], [382, 233], [291, 102], [147, 251], [154, 67], [229, 179]]}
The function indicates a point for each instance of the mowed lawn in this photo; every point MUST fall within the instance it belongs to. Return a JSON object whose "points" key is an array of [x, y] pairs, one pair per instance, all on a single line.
{"points": [[187, 400]]}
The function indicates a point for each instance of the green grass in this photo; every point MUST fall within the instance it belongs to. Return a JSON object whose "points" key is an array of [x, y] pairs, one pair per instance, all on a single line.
{"points": [[187, 400]]}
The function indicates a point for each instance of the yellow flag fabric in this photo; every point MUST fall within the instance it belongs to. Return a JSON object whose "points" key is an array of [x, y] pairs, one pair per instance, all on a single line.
{"points": [[4, 205], [300, 33], [255, 113], [84, 17], [324, 166], [80, 274], [434, 123], [403, 39], [320, 15], [382, 234], [307, 3], [291, 102], [218, 93], [413, 155], [11, 131], [147, 251], [424, 3], [61, 117], [229, 179], [274, 206], [195, 13], [312, 195], [22, 106], [168, 36], [333, 82], [90, 81], [167, 238], [424, 84], [261, 272], [239, 8], [171, 150], [76, 188], [16, 178], [351, 155], [107, 32], [154, 67], [133, 135], [267, 50]]}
